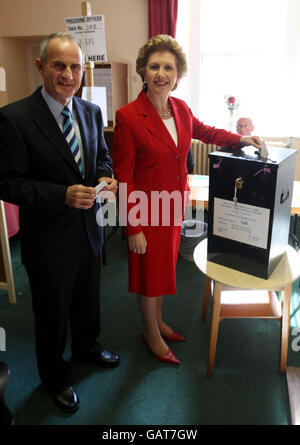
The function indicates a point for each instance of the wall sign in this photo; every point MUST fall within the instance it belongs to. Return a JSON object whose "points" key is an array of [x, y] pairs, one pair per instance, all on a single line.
{"points": [[89, 32]]}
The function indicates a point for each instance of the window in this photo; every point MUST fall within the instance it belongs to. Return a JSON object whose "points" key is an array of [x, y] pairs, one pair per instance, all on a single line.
{"points": [[249, 49]]}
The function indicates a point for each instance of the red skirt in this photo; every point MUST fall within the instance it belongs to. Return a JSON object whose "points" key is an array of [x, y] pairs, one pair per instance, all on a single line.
{"points": [[153, 273]]}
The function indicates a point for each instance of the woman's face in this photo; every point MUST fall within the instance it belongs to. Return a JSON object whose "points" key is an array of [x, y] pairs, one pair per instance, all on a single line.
{"points": [[161, 73]]}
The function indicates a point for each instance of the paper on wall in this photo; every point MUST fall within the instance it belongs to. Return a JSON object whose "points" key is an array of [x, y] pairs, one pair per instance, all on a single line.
{"points": [[96, 95]]}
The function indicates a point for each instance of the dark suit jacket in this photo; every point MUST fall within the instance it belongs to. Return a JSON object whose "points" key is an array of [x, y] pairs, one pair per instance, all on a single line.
{"points": [[37, 166]]}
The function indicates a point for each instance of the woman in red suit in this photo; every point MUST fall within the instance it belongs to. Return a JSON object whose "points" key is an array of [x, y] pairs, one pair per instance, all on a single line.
{"points": [[151, 142]]}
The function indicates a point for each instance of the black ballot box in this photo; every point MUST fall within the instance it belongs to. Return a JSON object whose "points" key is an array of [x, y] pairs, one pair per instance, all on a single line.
{"points": [[250, 208]]}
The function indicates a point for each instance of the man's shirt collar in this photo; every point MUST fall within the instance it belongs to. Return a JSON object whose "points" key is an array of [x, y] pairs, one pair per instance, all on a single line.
{"points": [[54, 106]]}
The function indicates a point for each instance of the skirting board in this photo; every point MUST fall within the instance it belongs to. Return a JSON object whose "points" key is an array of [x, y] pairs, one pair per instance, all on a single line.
{"points": [[293, 382]]}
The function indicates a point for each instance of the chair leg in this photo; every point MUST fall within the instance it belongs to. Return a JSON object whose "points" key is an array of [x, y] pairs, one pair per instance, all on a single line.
{"points": [[285, 326], [215, 320], [207, 290]]}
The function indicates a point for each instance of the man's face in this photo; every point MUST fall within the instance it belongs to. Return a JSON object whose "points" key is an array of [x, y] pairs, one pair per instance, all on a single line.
{"points": [[63, 70], [244, 127]]}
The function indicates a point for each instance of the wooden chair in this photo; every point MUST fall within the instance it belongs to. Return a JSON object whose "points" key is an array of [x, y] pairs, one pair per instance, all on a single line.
{"points": [[6, 274]]}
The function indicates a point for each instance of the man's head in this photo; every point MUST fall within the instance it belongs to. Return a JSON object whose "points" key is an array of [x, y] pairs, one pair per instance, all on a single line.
{"points": [[61, 64], [244, 126]]}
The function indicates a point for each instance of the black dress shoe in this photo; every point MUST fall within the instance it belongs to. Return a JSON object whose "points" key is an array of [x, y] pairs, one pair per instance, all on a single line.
{"points": [[100, 357], [66, 399], [105, 358]]}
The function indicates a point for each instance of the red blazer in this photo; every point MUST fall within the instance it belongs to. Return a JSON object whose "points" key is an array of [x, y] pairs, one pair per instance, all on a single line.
{"points": [[144, 153]]}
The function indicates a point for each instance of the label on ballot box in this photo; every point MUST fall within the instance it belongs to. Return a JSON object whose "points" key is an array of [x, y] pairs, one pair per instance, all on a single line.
{"points": [[249, 208], [241, 222]]}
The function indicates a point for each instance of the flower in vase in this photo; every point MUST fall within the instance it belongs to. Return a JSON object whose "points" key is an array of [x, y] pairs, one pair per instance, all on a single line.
{"points": [[231, 103]]}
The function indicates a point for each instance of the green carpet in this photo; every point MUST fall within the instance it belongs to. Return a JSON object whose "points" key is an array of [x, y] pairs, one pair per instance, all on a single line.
{"points": [[246, 387]]}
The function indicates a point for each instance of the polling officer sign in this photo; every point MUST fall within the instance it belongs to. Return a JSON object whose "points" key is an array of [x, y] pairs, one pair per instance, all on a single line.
{"points": [[89, 32]]}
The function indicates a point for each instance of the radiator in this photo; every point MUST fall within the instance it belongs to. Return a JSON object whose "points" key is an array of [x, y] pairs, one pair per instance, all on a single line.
{"points": [[200, 153]]}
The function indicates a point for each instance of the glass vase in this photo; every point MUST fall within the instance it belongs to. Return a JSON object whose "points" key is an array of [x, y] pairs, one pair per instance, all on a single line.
{"points": [[231, 123]]}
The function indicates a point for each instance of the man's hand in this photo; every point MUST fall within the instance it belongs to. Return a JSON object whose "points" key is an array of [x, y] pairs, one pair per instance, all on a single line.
{"points": [[251, 140], [80, 196], [112, 184]]}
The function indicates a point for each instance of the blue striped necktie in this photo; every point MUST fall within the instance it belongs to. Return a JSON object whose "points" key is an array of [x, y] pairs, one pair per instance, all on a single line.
{"points": [[70, 136]]}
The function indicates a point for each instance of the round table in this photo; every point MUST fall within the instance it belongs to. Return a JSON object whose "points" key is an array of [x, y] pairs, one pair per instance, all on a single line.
{"points": [[226, 279]]}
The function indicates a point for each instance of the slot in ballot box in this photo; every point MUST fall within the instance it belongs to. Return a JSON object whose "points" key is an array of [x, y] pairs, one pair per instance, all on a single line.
{"points": [[249, 208]]}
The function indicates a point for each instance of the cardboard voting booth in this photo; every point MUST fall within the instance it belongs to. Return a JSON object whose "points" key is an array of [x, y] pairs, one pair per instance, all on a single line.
{"points": [[249, 208]]}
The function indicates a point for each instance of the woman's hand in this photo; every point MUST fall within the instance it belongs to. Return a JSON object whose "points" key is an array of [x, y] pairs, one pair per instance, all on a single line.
{"points": [[137, 243], [251, 140]]}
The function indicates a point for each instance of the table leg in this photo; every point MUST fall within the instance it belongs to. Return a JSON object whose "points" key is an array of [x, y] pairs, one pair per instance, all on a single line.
{"points": [[285, 325], [207, 290], [214, 327]]}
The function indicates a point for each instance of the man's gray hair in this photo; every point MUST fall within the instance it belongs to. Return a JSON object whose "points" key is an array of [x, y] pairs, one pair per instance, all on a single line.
{"points": [[60, 35]]}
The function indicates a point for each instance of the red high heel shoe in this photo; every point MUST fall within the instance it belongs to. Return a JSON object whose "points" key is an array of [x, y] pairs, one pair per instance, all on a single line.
{"points": [[174, 336], [168, 357]]}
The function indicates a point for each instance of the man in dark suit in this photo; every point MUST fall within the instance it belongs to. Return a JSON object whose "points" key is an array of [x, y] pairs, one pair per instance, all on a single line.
{"points": [[55, 189]]}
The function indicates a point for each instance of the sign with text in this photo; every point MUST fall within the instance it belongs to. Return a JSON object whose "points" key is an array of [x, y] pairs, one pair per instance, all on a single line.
{"points": [[89, 32], [241, 222]]}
